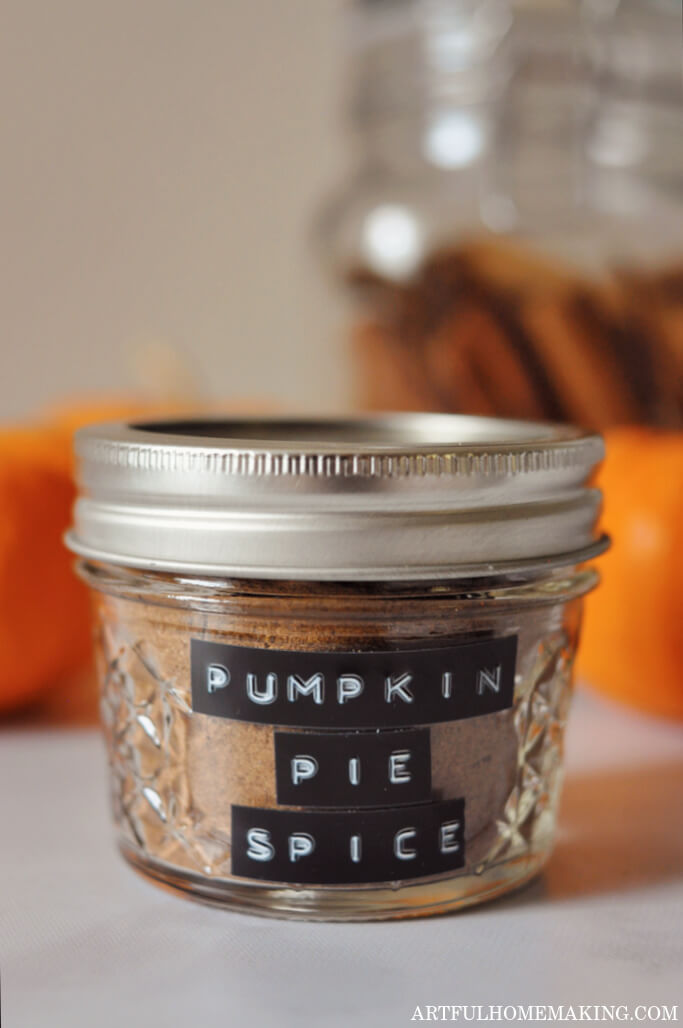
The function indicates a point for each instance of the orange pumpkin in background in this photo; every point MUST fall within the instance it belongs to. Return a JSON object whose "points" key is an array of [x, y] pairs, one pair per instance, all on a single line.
{"points": [[45, 612], [632, 646]]}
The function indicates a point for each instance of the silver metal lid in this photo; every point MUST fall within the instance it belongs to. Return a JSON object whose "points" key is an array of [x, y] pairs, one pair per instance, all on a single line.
{"points": [[403, 496]]}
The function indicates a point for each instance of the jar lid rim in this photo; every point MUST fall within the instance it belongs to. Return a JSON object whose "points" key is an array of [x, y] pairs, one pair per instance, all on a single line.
{"points": [[304, 445], [385, 496]]}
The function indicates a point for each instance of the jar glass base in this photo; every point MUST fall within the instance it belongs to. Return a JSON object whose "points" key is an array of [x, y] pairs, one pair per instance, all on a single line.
{"points": [[371, 904]]}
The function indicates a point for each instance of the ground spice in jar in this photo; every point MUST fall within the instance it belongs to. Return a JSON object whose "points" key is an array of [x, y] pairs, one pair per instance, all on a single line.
{"points": [[323, 723]]}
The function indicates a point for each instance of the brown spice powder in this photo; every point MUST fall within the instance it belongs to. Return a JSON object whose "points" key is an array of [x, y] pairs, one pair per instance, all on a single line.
{"points": [[177, 773]]}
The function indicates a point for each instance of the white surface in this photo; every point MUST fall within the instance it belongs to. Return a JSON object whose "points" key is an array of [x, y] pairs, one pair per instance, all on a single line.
{"points": [[84, 941], [161, 165]]}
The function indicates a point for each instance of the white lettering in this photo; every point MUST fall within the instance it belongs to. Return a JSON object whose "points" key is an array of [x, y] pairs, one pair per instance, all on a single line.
{"points": [[398, 772], [355, 847], [354, 770], [447, 685], [303, 767], [217, 677], [260, 847], [400, 851], [269, 694], [313, 686], [301, 844], [447, 840], [348, 687], [398, 686], [488, 678]]}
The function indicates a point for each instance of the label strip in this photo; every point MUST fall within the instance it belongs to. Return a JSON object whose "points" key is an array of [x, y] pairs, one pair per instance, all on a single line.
{"points": [[386, 689], [353, 769], [348, 847]]}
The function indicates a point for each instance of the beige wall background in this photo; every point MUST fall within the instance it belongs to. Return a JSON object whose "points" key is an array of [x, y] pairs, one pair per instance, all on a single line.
{"points": [[161, 164]]}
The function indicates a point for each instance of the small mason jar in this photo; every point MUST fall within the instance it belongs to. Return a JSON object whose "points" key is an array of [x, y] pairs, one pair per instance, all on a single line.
{"points": [[336, 655]]}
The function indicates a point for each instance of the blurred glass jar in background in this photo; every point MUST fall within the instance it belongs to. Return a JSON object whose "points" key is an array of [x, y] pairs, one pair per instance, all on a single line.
{"points": [[512, 235]]}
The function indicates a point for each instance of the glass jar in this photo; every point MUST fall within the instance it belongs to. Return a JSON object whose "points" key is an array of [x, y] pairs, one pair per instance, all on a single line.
{"points": [[336, 656], [510, 238]]}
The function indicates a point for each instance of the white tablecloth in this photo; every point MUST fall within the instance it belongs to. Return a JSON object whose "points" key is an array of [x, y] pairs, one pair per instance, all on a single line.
{"points": [[85, 942]]}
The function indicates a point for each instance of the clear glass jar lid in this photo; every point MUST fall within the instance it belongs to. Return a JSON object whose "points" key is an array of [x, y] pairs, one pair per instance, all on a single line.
{"points": [[395, 497]]}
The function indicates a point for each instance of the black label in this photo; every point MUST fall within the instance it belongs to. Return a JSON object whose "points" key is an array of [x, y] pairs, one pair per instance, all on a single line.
{"points": [[389, 688], [353, 769], [348, 847]]}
